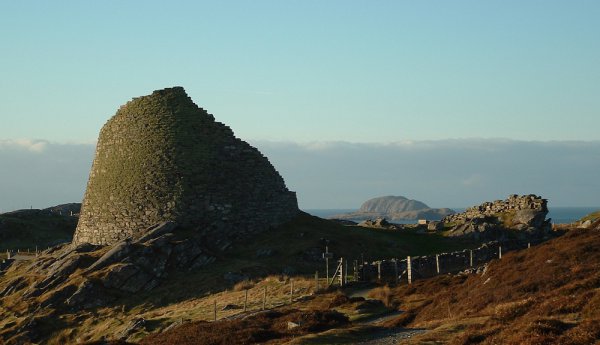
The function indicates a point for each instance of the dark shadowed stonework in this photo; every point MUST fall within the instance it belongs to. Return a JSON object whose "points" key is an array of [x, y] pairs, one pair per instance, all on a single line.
{"points": [[162, 158]]}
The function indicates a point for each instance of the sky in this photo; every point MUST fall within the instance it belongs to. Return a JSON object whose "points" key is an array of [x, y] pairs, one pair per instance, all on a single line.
{"points": [[347, 77]]}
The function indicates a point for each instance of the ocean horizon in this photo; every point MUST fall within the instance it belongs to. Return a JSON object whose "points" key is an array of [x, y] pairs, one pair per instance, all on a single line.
{"points": [[558, 215]]}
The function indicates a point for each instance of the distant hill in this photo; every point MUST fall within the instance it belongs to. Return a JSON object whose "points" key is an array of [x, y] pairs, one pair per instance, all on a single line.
{"points": [[395, 208], [391, 204], [26, 229]]}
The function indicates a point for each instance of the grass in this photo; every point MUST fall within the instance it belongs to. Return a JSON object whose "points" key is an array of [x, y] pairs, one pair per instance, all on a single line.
{"points": [[294, 247]]}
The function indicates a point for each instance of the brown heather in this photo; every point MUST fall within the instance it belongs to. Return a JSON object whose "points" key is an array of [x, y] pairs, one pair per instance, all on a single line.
{"points": [[548, 294]]}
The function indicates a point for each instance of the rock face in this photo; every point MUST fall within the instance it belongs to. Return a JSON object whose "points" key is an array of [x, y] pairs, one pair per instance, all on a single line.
{"points": [[395, 208], [162, 158], [526, 213]]}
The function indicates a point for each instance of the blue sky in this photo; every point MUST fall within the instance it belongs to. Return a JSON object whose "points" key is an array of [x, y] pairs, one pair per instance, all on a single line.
{"points": [[347, 76], [303, 71]]}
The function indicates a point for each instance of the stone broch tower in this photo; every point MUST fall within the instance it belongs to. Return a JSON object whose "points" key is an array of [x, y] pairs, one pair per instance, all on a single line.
{"points": [[162, 158]]}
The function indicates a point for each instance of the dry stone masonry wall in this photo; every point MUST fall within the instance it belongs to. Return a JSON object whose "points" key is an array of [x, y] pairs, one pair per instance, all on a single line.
{"points": [[162, 158]]}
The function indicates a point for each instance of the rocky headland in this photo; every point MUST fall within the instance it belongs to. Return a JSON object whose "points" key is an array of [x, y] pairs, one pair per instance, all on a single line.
{"points": [[394, 208]]}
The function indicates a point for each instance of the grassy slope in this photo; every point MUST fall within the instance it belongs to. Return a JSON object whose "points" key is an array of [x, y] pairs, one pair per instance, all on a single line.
{"points": [[190, 295], [293, 239], [30, 228], [176, 300], [549, 294], [289, 244]]}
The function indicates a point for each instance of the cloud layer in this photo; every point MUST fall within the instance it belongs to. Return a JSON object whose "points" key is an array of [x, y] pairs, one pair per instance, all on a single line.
{"points": [[442, 173], [38, 173]]}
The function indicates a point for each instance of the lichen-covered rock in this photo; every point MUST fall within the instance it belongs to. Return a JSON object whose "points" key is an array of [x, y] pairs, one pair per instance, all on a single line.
{"points": [[115, 254], [162, 158], [435, 226], [379, 223], [158, 230]]}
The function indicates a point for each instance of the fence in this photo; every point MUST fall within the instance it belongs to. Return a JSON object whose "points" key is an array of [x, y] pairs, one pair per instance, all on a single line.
{"points": [[22, 253], [419, 267]]}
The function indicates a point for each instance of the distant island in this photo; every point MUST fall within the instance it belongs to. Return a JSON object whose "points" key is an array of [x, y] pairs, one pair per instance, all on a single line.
{"points": [[395, 208]]}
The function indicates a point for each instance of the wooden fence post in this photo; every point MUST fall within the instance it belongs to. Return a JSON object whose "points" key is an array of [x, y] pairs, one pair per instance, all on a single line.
{"points": [[437, 263], [470, 257], [215, 310], [499, 252], [378, 270], [346, 273], [264, 298], [341, 265], [409, 270], [396, 270]]}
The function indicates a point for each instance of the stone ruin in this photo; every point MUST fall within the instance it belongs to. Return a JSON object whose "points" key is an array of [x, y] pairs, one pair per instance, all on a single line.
{"points": [[162, 158], [525, 212]]}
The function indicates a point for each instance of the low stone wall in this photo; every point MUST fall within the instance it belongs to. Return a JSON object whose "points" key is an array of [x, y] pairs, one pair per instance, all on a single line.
{"points": [[395, 270]]}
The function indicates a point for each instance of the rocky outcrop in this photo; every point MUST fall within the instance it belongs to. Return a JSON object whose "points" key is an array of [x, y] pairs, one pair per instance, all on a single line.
{"points": [[394, 208], [89, 276], [526, 213], [162, 158], [379, 223]]}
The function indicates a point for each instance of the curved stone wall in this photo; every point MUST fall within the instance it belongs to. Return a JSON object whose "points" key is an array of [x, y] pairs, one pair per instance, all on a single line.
{"points": [[161, 158]]}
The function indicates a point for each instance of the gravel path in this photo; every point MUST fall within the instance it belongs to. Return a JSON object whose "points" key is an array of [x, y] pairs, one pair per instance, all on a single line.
{"points": [[393, 336]]}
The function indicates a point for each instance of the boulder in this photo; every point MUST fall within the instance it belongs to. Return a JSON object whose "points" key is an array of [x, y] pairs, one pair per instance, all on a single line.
{"points": [[534, 218]]}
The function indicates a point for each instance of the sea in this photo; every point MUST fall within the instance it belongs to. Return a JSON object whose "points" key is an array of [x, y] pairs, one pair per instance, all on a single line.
{"points": [[559, 215]]}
